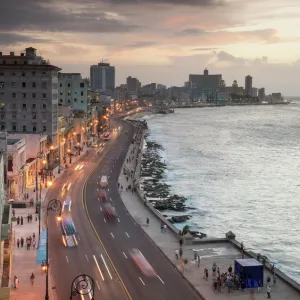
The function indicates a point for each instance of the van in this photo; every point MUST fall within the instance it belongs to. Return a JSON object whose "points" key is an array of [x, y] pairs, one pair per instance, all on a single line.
{"points": [[103, 182]]}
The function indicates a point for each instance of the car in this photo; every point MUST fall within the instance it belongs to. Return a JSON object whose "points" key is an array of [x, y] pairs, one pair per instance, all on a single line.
{"points": [[103, 196], [142, 263], [79, 167], [110, 212], [66, 186], [10, 201]]}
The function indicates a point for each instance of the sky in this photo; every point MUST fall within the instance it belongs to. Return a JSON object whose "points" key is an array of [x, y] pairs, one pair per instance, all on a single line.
{"points": [[163, 41]]}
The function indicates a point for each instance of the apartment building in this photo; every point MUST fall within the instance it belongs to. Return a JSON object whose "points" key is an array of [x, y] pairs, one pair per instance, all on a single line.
{"points": [[73, 91], [102, 77], [28, 94]]}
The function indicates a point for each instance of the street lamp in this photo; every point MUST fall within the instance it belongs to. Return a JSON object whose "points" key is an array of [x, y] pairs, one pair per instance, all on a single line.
{"points": [[83, 285], [54, 205], [70, 156]]}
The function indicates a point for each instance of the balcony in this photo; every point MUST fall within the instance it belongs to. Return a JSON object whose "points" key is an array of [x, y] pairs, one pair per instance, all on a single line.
{"points": [[6, 222]]}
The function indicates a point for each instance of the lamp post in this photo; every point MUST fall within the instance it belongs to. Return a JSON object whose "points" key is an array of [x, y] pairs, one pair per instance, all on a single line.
{"points": [[54, 205], [58, 154], [83, 285]]}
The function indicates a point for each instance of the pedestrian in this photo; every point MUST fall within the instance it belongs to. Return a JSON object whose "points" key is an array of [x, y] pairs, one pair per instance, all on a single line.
{"points": [[180, 252], [32, 278], [21, 220], [33, 244], [182, 266], [18, 220], [18, 243], [161, 226], [206, 273], [13, 213], [198, 260], [165, 228], [33, 236], [177, 254], [148, 221], [269, 291], [180, 242], [259, 286], [16, 283], [22, 242], [36, 217], [28, 218]]}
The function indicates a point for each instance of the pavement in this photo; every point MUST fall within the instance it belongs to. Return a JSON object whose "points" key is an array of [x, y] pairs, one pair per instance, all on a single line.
{"points": [[23, 260], [223, 254]]}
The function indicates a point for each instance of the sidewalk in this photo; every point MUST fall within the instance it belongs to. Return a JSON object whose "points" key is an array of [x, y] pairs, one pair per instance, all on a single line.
{"points": [[223, 254], [23, 260]]}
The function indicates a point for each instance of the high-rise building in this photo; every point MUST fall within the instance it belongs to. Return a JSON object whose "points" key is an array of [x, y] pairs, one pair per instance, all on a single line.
{"points": [[248, 85], [72, 91], [206, 81], [102, 77], [133, 84], [261, 94], [28, 94]]}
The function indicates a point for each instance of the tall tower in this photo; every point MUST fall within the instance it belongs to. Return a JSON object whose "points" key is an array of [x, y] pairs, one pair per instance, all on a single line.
{"points": [[102, 77], [248, 85]]}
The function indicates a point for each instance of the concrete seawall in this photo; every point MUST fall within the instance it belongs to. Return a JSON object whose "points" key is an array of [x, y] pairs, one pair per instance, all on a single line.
{"points": [[196, 241]]}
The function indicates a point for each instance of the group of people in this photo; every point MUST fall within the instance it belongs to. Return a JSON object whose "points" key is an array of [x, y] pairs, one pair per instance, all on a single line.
{"points": [[30, 242]]}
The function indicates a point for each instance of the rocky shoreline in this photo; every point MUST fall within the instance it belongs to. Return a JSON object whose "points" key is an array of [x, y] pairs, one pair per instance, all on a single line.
{"points": [[152, 183]]}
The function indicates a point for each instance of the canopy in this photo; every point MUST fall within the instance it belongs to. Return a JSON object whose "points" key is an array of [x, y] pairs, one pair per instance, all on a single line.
{"points": [[42, 248]]}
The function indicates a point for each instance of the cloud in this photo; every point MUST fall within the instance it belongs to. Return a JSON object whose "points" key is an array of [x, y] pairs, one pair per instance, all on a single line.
{"points": [[207, 3], [13, 38], [34, 15], [190, 31], [204, 49], [141, 44]]}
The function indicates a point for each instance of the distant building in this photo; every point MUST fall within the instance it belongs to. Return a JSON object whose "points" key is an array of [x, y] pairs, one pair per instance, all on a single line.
{"points": [[72, 90], [28, 94], [206, 81], [235, 89], [248, 85], [261, 94], [133, 84], [102, 77], [254, 92]]}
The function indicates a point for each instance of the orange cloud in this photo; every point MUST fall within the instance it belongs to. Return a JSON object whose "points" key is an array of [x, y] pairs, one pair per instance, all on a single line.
{"points": [[174, 20]]}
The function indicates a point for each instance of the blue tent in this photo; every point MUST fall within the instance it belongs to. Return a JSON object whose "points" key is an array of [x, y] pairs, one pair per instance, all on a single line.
{"points": [[250, 270], [42, 248]]}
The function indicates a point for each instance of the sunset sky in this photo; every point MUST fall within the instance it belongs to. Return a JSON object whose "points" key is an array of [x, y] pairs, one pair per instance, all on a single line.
{"points": [[163, 40]]}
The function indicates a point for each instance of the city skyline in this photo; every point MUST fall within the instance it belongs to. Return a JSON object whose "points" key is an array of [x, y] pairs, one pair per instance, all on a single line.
{"points": [[162, 41]]}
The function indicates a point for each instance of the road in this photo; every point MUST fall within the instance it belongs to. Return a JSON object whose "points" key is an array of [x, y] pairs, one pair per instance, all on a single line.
{"points": [[103, 246]]}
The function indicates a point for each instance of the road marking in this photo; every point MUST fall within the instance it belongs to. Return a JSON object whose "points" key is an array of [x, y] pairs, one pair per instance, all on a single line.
{"points": [[100, 208], [124, 255], [98, 285], [97, 182], [67, 259], [97, 189], [119, 220], [141, 280], [56, 223], [127, 234], [108, 190], [160, 279], [98, 199], [112, 235], [106, 266], [98, 267], [110, 199], [104, 220], [113, 208], [86, 258]]}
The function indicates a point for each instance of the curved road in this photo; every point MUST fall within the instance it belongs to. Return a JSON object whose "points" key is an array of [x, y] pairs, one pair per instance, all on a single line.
{"points": [[103, 246]]}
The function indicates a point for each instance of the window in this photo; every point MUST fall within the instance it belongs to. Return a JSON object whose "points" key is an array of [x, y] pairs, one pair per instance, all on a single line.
{"points": [[34, 116], [14, 128], [81, 84], [24, 95], [61, 93], [33, 73], [44, 128], [16, 62], [23, 73], [44, 106], [14, 105], [33, 106], [23, 84], [44, 85], [24, 106], [24, 128], [14, 116], [69, 93], [34, 128], [13, 84], [10, 163], [81, 100], [1, 84], [69, 101], [44, 95], [69, 84], [33, 95], [75, 99], [60, 100], [81, 93], [13, 95], [34, 84], [2, 127]]}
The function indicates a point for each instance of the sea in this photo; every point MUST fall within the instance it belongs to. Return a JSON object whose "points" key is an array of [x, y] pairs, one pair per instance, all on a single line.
{"points": [[239, 167]]}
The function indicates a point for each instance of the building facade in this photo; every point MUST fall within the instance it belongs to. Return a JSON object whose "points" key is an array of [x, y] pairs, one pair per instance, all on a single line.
{"points": [[133, 84], [206, 81], [28, 94], [248, 85], [72, 91], [102, 77], [261, 94]]}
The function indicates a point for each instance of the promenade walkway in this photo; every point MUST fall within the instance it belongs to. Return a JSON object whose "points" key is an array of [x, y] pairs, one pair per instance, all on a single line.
{"points": [[23, 260], [223, 254]]}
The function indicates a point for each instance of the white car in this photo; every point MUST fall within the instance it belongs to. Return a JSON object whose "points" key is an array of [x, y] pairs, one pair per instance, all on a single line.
{"points": [[11, 200]]}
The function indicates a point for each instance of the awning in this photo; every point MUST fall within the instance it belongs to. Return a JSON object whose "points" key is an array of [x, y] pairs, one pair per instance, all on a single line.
{"points": [[42, 248]]}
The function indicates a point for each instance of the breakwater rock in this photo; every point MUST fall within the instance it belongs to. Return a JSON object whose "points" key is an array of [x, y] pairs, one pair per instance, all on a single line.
{"points": [[179, 219], [152, 180]]}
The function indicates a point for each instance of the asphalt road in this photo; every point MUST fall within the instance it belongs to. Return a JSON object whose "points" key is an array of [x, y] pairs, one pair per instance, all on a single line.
{"points": [[119, 238]]}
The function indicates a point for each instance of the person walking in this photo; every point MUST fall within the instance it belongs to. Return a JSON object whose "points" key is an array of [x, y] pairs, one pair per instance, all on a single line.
{"points": [[33, 244], [148, 221], [198, 260], [18, 243], [16, 282], [21, 220], [32, 278], [180, 252], [22, 242], [180, 243], [269, 291], [259, 286]]}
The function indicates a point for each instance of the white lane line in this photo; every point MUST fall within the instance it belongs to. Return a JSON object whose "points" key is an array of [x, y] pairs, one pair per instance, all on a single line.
{"points": [[67, 259], [104, 220], [160, 279], [127, 234], [86, 258], [98, 267], [97, 182], [110, 199], [98, 199], [98, 285], [97, 189], [108, 190], [124, 255], [113, 208], [119, 220], [112, 235], [100, 208], [106, 267], [141, 280]]}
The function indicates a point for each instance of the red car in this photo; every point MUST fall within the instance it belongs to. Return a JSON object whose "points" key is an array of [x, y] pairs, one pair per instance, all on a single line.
{"points": [[110, 212], [142, 263], [103, 197]]}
